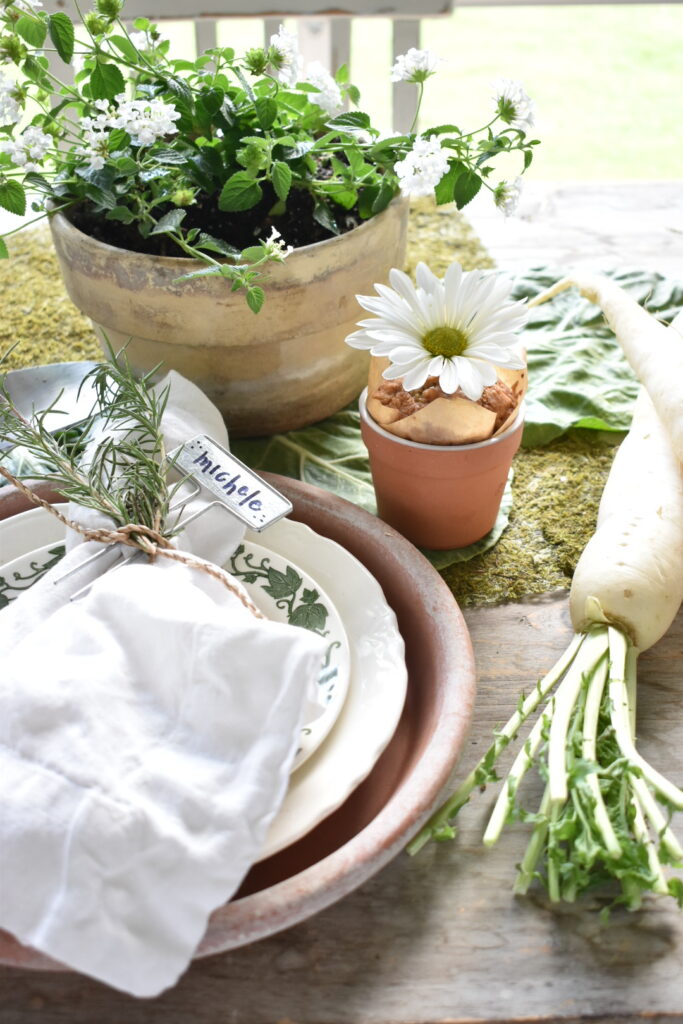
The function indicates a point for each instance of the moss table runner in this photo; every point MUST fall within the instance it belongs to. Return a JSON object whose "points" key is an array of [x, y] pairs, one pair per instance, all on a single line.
{"points": [[573, 418]]}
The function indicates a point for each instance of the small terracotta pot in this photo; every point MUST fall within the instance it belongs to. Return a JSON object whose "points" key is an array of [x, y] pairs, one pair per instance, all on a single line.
{"points": [[287, 366], [439, 496]]}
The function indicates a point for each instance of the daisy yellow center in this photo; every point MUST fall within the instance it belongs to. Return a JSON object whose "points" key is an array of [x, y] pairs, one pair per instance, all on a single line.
{"points": [[445, 341]]}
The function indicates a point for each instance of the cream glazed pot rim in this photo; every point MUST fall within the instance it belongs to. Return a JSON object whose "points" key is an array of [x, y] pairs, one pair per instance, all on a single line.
{"points": [[367, 419]]}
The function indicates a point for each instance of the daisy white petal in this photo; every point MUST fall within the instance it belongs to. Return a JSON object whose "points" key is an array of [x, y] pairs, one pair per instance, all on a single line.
{"points": [[416, 377], [359, 339], [458, 329], [471, 380], [448, 378]]}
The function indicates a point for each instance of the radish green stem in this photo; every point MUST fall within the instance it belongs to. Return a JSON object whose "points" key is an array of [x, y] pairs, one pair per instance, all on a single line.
{"points": [[592, 651], [621, 719], [657, 819], [553, 875], [641, 833], [506, 797], [436, 827], [589, 749], [532, 854]]}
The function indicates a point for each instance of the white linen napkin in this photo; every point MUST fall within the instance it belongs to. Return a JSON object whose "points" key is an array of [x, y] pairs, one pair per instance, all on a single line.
{"points": [[147, 731]]}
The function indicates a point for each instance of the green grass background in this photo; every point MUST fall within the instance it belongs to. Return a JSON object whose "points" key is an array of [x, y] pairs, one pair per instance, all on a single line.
{"points": [[607, 80]]}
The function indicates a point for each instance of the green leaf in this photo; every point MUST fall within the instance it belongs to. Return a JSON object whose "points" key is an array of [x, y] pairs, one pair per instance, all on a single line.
{"points": [[354, 94], [126, 165], [13, 197], [168, 156], [251, 253], [282, 179], [62, 35], [240, 192], [352, 120], [118, 139], [266, 111], [34, 70], [466, 187], [445, 129], [171, 221], [212, 244], [124, 46], [180, 89], [123, 214], [32, 29], [366, 200], [309, 616], [282, 584], [445, 190], [4, 253], [341, 195], [106, 82], [38, 183], [323, 215], [255, 297], [301, 149], [387, 191]]}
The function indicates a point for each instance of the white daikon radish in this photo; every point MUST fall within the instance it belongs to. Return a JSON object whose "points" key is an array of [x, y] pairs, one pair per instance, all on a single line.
{"points": [[599, 819], [653, 350]]}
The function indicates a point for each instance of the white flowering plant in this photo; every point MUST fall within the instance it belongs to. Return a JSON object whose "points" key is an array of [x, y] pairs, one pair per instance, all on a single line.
{"points": [[232, 160]]}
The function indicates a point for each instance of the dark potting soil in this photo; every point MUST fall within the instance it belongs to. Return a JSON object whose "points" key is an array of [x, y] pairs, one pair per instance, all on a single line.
{"points": [[241, 229]]}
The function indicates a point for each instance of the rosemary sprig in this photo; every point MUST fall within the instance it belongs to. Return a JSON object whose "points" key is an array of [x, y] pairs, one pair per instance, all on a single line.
{"points": [[120, 469]]}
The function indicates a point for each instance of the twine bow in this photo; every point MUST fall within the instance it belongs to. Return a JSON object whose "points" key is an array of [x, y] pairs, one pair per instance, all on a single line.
{"points": [[144, 538]]}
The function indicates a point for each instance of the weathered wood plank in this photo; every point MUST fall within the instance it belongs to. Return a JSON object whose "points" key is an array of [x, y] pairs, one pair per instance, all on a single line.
{"points": [[598, 224], [439, 938]]}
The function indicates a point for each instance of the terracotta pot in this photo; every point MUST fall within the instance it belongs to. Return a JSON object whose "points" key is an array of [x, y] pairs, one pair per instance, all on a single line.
{"points": [[282, 368], [439, 496]]}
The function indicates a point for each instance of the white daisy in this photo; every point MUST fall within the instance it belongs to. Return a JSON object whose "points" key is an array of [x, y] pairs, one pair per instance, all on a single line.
{"points": [[513, 105], [458, 328]]}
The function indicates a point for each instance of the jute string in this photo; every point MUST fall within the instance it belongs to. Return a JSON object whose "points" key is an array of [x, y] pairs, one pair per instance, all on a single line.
{"points": [[144, 538]]}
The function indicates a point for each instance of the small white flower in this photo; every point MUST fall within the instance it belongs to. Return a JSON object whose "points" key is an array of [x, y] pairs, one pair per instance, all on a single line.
{"points": [[422, 168], [275, 247], [287, 45], [506, 196], [29, 150], [458, 328], [10, 110], [329, 97], [513, 105], [414, 66], [144, 120], [96, 146]]}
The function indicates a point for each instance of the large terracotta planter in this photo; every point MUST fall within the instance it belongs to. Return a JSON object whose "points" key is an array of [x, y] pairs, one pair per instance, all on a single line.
{"points": [[282, 368]]}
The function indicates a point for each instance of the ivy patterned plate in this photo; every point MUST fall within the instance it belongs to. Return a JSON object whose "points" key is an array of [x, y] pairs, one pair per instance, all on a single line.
{"points": [[280, 589]]}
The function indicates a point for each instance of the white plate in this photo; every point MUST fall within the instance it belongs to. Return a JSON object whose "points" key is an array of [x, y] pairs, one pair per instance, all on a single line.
{"points": [[379, 678], [280, 589]]}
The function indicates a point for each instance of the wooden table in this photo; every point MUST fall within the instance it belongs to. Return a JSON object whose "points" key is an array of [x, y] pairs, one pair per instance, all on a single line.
{"points": [[440, 938]]}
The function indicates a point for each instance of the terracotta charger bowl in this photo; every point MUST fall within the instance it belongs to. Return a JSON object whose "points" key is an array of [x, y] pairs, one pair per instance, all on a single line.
{"points": [[388, 808]]}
